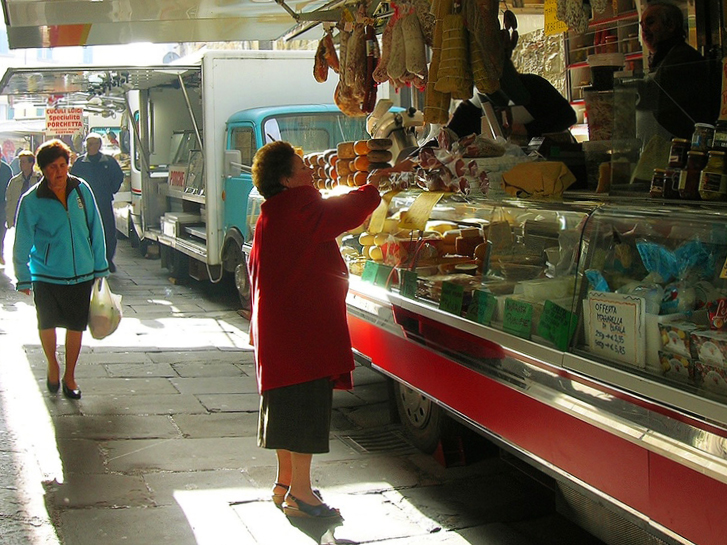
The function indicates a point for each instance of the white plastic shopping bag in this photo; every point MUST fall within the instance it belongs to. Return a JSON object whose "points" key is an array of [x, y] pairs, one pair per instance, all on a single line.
{"points": [[104, 314]]}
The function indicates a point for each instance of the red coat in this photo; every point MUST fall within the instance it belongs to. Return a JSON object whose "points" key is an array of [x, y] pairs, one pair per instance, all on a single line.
{"points": [[299, 283]]}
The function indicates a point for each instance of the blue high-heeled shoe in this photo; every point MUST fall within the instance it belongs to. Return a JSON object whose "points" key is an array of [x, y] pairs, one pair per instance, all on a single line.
{"points": [[293, 507]]}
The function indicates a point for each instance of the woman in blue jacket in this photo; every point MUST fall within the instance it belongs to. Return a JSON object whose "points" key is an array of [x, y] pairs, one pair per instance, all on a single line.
{"points": [[59, 250]]}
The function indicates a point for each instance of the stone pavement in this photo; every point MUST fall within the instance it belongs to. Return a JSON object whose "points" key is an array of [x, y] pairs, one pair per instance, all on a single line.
{"points": [[161, 448]]}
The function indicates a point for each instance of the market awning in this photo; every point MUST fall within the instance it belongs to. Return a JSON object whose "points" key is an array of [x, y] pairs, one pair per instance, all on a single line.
{"points": [[54, 23]]}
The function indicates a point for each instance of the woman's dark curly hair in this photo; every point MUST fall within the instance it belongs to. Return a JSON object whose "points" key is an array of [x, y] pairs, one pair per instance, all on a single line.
{"points": [[272, 163], [51, 150]]}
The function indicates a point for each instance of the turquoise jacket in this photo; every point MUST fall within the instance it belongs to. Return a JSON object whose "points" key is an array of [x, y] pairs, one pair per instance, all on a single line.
{"points": [[58, 245]]}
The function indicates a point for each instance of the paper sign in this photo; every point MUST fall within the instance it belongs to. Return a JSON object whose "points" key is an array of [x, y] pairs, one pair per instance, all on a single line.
{"points": [[419, 212], [177, 174], [451, 299], [378, 217], [383, 276], [553, 25], [63, 121], [371, 268], [557, 325], [408, 287], [481, 307], [518, 319], [616, 327]]}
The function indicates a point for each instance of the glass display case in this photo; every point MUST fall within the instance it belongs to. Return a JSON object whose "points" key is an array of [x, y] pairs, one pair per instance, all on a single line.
{"points": [[631, 295]]}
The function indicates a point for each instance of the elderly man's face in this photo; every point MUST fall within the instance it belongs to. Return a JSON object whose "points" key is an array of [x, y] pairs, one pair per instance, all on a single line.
{"points": [[26, 165], [653, 28], [93, 146]]}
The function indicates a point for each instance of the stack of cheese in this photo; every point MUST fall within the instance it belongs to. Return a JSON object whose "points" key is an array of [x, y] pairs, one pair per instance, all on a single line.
{"points": [[357, 159], [323, 165]]}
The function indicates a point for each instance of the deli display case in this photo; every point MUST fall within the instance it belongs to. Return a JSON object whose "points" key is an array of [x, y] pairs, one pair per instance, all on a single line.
{"points": [[586, 337]]}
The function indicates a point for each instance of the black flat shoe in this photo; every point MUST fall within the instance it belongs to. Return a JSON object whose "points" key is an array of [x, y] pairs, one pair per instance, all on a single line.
{"points": [[293, 507], [71, 394], [52, 386]]}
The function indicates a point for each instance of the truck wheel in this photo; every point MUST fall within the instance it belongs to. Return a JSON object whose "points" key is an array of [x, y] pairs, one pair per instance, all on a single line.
{"points": [[235, 258], [424, 421]]}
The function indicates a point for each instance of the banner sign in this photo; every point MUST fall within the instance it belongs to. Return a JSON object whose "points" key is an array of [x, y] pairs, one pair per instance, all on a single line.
{"points": [[63, 121]]}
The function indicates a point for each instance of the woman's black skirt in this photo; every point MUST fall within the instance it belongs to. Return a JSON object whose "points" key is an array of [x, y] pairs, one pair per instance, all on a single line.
{"points": [[60, 305], [297, 417]]}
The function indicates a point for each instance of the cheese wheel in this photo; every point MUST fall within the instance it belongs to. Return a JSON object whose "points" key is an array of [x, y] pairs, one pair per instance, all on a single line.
{"points": [[333, 159], [345, 150], [374, 166], [328, 155], [359, 178], [379, 143], [365, 251], [361, 163], [361, 147], [379, 156], [366, 239], [344, 167], [376, 253], [348, 181]]}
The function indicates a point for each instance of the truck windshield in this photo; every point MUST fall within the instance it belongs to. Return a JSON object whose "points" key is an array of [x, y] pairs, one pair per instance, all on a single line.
{"points": [[315, 131]]}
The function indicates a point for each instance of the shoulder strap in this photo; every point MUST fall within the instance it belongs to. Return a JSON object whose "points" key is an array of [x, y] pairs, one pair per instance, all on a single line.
{"points": [[85, 210]]}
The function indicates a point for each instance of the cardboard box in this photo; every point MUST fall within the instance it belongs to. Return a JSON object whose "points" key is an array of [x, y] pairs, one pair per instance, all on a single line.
{"points": [[710, 377], [677, 366], [676, 337], [710, 347]]}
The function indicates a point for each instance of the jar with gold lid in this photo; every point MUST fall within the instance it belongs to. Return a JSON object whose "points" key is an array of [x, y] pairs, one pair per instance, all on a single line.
{"points": [[712, 182]]}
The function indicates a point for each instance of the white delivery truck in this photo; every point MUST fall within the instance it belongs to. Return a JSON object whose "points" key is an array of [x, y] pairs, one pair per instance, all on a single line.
{"points": [[194, 127]]}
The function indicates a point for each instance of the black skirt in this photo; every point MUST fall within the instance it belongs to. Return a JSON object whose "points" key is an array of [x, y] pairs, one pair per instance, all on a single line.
{"points": [[297, 417], [60, 305]]}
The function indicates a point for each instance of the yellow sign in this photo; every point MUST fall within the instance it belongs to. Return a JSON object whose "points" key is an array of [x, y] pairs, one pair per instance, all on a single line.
{"points": [[553, 25], [418, 214]]}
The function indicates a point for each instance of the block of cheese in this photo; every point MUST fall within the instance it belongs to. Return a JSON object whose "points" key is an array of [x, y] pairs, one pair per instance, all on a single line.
{"points": [[380, 143], [346, 151]]}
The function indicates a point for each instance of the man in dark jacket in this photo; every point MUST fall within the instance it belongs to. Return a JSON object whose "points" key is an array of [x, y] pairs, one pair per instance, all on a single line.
{"points": [[5, 175], [682, 88], [105, 176]]}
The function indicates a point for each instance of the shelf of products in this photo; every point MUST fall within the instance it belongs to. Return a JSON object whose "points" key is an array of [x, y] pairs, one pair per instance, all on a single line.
{"points": [[608, 33]]}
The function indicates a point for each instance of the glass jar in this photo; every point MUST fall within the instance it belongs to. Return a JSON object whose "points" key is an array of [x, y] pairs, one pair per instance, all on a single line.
{"points": [[719, 142], [671, 183], [657, 183], [702, 137], [712, 182], [678, 152], [689, 177]]}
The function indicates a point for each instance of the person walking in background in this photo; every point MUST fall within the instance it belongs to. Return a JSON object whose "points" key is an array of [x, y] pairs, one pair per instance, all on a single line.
{"points": [[19, 184], [104, 175], [5, 175], [59, 251], [298, 327]]}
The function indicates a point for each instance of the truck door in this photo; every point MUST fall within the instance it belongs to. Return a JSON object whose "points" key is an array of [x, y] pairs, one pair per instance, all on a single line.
{"points": [[240, 136]]}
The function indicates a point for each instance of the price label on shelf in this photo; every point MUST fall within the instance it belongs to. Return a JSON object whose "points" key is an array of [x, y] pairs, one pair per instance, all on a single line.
{"points": [[557, 325], [408, 286], [482, 307], [616, 327], [451, 299], [518, 318], [383, 276], [370, 271]]}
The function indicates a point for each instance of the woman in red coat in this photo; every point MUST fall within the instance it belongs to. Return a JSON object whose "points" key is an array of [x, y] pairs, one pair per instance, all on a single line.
{"points": [[298, 328]]}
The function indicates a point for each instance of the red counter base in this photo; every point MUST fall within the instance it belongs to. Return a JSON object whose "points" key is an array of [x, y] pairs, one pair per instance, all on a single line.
{"points": [[676, 497]]}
